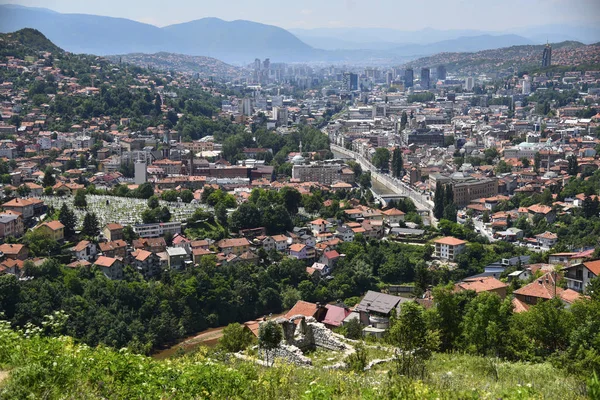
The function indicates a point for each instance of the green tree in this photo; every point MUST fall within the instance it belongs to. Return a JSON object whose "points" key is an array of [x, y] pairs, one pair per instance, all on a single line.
{"points": [[290, 297], [186, 196], [49, 179], [416, 342], [221, 213], [41, 244], [153, 202], [381, 158], [269, 337], [67, 217], [502, 167], [236, 337], [573, 166], [129, 234], [547, 326], [438, 200], [485, 324], [397, 162], [144, 191], [485, 217], [448, 313], [291, 199], [246, 216], [23, 190], [90, 226], [80, 201]]}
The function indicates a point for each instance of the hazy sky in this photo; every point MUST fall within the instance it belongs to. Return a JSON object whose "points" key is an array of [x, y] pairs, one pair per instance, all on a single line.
{"points": [[398, 14]]}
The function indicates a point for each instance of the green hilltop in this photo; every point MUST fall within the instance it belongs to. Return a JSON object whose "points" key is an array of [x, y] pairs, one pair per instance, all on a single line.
{"points": [[26, 42]]}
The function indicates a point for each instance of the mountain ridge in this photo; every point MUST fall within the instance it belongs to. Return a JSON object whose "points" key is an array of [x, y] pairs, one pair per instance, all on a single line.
{"points": [[234, 42]]}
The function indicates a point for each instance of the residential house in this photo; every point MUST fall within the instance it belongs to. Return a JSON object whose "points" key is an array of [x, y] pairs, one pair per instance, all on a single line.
{"points": [[579, 276], [543, 211], [281, 242], [306, 309], [177, 257], [299, 251], [486, 284], [547, 239], [181, 241], [570, 258], [308, 240], [25, 207], [376, 309], [13, 267], [117, 248], [319, 225], [145, 262], [11, 225], [54, 229], [202, 244], [234, 246], [448, 248], [345, 233], [85, 250], [335, 316], [318, 268], [248, 257], [330, 258], [113, 232], [267, 243], [35, 190], [153, 245], [393, 216], [544, 288], [111, 267], [14, 251], [198, 253]]}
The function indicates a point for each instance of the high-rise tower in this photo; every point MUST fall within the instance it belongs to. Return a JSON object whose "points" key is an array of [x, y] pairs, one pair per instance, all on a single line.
{"points": [[547, 56]]}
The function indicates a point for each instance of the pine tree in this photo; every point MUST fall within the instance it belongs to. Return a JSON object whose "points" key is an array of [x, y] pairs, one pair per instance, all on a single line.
{"points": [[49, 179], [397, 163], [67, 217], [91, 227], [573, 166], [448, 195], [438, 201]]}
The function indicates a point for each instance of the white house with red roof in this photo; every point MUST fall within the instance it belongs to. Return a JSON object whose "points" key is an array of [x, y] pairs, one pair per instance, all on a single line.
{"points": [[547, 239], [319, 225], [448, 248]]}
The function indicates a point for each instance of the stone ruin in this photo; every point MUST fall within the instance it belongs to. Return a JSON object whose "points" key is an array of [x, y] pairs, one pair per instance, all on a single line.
{"points": [[306, 335]]}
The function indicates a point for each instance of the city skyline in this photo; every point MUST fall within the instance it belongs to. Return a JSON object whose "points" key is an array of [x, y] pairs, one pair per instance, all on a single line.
{"points": [[469, 15]]}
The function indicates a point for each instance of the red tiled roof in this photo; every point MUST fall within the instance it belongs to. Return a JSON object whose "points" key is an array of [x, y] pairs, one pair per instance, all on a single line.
{"points": [[451, 241], [481, 284], [302, 308], [543, 287], [593, 266]]}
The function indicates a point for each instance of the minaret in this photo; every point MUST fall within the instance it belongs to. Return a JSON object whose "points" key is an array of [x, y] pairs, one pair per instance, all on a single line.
{"points": [[300, 146]]}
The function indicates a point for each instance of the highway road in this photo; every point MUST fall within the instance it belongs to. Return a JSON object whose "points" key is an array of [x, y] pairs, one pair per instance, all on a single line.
{"points": [[394, 184]]}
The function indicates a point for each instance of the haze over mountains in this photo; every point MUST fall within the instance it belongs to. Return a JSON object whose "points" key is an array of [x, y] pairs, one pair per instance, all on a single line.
{"points": [[241, 41]]}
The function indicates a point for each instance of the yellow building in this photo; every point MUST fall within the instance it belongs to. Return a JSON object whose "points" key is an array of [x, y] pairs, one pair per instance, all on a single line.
{"points": [[54, 229]]}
